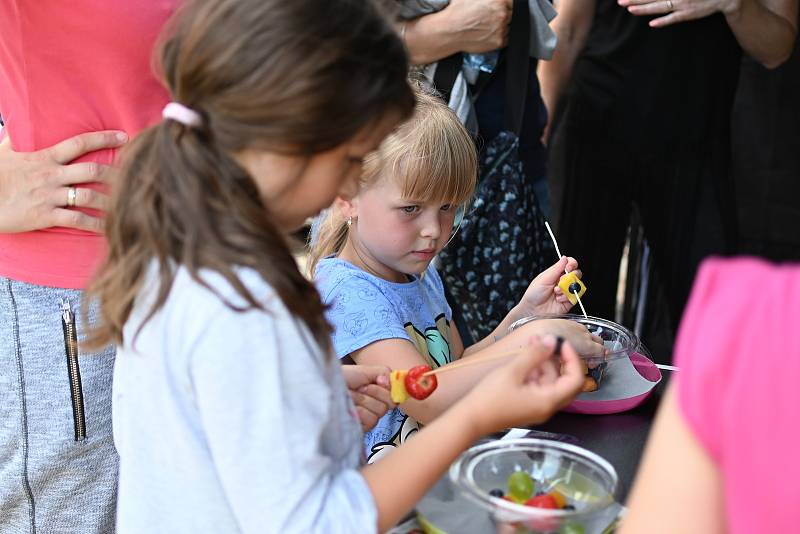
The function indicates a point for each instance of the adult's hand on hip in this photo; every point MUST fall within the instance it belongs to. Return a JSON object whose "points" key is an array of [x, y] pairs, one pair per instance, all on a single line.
{"points": [[677, 10], [37, 187], [480, 25]]}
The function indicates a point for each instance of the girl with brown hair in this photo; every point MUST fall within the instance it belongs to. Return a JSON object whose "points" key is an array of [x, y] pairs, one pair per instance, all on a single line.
{"points": [[230, 415]]}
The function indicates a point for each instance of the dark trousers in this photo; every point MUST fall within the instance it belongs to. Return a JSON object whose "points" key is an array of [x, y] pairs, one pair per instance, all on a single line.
{"points": [[683, 191]]}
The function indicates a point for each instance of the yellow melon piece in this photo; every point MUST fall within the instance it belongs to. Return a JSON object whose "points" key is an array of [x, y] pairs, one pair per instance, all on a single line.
{"points": [[567, 280], [398, 391]]}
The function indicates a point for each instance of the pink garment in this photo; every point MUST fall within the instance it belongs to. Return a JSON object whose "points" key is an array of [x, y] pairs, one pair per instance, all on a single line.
{"points": [[69, 67], [739, 387]]}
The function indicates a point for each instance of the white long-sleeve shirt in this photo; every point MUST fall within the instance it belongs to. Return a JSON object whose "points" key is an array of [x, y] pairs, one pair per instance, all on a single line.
{"points": [[231, 422]]}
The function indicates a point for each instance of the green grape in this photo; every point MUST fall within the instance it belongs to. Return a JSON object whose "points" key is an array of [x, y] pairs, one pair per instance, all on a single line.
{"points": [[520, 486], [570, 527]]}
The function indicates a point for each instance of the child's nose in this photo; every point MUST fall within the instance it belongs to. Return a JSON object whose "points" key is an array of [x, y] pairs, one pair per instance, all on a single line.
{"points": [[431, 227]]}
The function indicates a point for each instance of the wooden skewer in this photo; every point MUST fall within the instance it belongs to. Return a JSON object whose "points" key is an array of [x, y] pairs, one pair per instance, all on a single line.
{"points": [[472, 361], [558, 253]]}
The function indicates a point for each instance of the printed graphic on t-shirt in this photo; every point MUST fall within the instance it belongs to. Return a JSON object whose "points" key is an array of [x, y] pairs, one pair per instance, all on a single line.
{"points": [[433, 343]]}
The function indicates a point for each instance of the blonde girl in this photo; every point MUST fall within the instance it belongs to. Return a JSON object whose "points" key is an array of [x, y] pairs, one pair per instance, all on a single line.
{"points": [[230, 413], [372, 259]]}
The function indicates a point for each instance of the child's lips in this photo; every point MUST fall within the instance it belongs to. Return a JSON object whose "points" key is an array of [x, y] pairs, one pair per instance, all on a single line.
{"points": [[426, 254]]}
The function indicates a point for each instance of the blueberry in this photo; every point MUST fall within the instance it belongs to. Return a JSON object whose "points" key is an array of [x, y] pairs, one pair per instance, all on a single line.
{"points": [[569, 507], [539, 493], [574, 287], [598, 372], [497, 493]]}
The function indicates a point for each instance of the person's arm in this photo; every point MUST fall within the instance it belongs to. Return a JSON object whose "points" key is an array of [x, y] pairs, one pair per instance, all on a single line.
{"points": [[463, 26], [571, 26], [34, 186], [507, 397], [676, 473], [542, 297], [454, 385], [765, 29]]}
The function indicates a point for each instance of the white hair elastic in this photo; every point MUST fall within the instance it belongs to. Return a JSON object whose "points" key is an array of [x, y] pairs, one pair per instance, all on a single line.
{"points": [[179, 112]]}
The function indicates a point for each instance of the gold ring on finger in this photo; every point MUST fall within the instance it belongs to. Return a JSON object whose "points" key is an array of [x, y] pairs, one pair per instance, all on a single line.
{"points": [[72, 196]]}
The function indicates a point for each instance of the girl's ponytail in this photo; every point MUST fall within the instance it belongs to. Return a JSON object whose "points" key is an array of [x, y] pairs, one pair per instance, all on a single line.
{"points": [[328, 236], [181, 201]]}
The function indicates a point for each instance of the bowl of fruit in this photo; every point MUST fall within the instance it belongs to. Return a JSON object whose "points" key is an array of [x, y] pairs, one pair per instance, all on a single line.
{"points": [[620, 377], [538, 486]]}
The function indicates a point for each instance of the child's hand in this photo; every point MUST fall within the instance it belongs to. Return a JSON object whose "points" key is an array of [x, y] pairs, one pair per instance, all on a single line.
{"points": [[544, 296], [369, 389], [528, 389], [583, 341]]}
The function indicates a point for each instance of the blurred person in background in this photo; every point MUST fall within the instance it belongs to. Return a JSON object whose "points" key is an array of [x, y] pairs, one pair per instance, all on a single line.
{"points": [[643, 91], [721, 452], [75, 84]]}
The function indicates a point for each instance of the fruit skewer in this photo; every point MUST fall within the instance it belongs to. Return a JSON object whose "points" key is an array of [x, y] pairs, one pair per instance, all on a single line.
{"points": [[472, 361], [571, 289]]}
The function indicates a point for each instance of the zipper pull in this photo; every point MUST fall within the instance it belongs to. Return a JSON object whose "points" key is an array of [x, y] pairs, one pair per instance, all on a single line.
{"points": [[66, 312]]}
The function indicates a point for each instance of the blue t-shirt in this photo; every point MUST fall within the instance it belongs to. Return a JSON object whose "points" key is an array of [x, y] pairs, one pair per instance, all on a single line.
{"points": [[365, 308]]}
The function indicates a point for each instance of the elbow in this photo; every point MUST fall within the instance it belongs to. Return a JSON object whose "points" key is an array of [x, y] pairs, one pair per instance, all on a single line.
{"points": [[779, 54], [776, 60], [568, 35]]}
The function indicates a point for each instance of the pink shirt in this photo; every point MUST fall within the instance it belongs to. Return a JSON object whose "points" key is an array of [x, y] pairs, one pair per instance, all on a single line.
{"points": [[739, 387], [69, 67]]}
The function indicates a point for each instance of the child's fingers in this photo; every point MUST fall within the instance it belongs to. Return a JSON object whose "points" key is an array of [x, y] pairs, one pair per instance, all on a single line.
{"points": [[383, 381], [571, 265], [376, 374], [367, 419], [549, 371], [534, 376], [378, 393], [370, 403], [357, 376], [551, 275], [591, 345], [546, 370], [570, 382], [531, 356]]}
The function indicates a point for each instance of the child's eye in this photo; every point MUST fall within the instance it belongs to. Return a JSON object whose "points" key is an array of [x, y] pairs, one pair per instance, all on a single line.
{"points": [[410, 209], [447, 207]]}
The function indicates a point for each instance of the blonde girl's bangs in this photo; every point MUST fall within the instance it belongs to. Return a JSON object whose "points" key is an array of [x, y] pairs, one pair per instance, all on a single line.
{"points": [[431, 157]]}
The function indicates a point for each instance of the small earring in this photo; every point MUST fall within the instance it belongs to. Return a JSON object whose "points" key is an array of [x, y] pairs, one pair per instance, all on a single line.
{"points": [[349, 222]]}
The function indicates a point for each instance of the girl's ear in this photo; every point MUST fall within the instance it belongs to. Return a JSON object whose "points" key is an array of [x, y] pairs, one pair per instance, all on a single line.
{"points": [[348, 208]]}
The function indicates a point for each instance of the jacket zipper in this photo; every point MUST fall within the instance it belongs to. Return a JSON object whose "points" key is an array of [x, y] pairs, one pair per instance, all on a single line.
{"points": [[71, 349]]}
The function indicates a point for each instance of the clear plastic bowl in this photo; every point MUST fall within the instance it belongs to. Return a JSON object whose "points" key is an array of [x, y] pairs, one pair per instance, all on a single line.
{"points": [[585, 479], [619, 341]]}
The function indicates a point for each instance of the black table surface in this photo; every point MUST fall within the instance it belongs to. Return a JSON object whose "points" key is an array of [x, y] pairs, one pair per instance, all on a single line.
{"points": [[619, 438]]}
